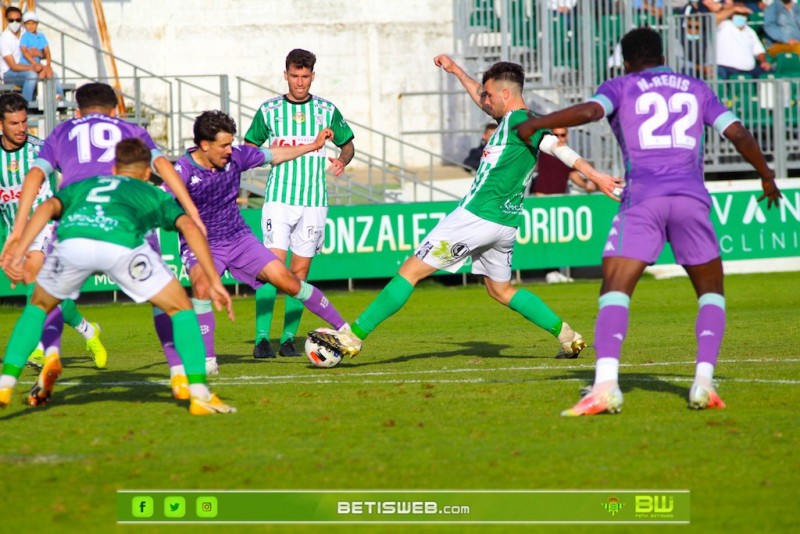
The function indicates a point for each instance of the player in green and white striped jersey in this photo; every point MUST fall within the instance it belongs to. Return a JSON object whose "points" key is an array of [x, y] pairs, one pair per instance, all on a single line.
{"points": [[484, 225], [18, 150], [295, 200]]}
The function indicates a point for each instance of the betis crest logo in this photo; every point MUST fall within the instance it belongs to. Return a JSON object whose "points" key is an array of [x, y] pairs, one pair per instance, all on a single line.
{"points": [[299, 117], [613, 506], [13, 166]]}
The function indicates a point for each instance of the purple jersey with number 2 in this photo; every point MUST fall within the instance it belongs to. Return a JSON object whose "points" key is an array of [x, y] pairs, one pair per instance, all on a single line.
{"points": [[84, 147], [659, 118]]}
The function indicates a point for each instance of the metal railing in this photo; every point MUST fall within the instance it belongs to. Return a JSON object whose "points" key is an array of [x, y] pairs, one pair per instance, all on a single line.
{"points": [[567, 56]]}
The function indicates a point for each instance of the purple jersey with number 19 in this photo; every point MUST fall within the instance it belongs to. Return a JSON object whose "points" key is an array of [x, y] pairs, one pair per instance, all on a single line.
{"points": [[659, 118], [84, 147]]}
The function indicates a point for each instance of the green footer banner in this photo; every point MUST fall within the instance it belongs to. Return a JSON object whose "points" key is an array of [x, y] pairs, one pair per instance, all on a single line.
{"points": [[382, 506]]}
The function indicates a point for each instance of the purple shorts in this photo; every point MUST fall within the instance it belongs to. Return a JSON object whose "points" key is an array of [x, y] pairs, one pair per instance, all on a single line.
{"points": [[639, 232], [244, 257]]}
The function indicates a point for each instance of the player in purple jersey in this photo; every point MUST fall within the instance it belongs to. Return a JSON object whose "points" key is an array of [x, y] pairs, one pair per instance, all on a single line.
{"points": [[212, 173], [84, 147], [659, 118]]}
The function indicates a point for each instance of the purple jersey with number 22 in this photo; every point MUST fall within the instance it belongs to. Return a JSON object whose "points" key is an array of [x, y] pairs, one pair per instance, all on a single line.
{"points": [[659, 118]]}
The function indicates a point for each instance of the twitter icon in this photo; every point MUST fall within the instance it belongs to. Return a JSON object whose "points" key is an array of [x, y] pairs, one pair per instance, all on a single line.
{"points": [[174, 507]]}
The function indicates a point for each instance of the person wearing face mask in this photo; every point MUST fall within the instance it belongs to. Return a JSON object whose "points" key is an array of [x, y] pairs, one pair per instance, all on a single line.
{"points": [[739, 50], [12, 70], [782, 27]]}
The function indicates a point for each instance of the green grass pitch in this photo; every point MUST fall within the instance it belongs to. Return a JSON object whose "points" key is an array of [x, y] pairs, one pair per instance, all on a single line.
{"points": [[454, 392]]}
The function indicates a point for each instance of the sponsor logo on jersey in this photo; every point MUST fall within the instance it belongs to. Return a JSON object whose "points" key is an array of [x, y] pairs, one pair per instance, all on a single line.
{"points": [[195, 180], [140, 268], [295, 140], [459, 250], [491, 153], [10, 195], [319, 119], [423, 250]]}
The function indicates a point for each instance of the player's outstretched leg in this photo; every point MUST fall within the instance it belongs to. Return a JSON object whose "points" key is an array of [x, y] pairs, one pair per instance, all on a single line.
{"points": [[89, 331], [388, 302], [25, 336], [709, 330], [610, 331], [536, 311], [340, 338]]}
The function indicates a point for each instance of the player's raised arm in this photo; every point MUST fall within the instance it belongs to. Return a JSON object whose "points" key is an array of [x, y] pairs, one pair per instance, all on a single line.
{"points": [[199, 246], [286, 153], [472, 86], [30, 188], [178, 188], [748, 147]]}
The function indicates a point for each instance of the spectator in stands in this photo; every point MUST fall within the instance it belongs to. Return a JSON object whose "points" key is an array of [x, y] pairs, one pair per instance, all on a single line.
{"points": [[473, 159], [35, 49], [14, 72], [696, 53], [712, 6], [738, 45], [554, 176], [782, 27], [653, 8]]}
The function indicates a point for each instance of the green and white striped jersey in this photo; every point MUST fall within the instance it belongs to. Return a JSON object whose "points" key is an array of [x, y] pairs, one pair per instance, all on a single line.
{"points": [[281, 122], [14, 165], [505, 170]]}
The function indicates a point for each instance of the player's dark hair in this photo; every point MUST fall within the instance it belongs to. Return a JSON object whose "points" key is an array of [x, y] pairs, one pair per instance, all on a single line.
{"points": [[96, 95], [12, 9], [131, 151], [641, 47], [210, 123], [302, 59], [11, 103], [507, 72]]}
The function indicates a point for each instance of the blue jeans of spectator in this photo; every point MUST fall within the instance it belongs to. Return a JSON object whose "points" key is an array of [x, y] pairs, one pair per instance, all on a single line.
{"points": [[726, 73], [26, 78]]}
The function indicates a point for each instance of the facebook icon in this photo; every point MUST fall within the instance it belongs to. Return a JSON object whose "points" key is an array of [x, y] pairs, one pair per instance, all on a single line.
{"points": [[142, 507]]}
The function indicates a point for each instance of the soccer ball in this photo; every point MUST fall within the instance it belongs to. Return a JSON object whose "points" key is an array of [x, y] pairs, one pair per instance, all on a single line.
{"points": [[320, 355]]}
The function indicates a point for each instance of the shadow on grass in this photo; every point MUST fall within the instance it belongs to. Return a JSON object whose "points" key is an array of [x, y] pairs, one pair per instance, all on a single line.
{"points": [[661, 382], [80, 383], [477, 349]]}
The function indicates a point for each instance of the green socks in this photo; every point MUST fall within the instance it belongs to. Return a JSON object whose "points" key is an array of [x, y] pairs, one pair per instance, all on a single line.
{"points": [[536, 311], [292, 315], [387, 303], [189, 344], [265, 302], [71, 314], [24, 339]]}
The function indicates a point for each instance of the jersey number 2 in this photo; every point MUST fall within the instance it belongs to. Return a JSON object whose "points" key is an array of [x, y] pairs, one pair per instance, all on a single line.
{"points": [[659, 109], [94, 193]]}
